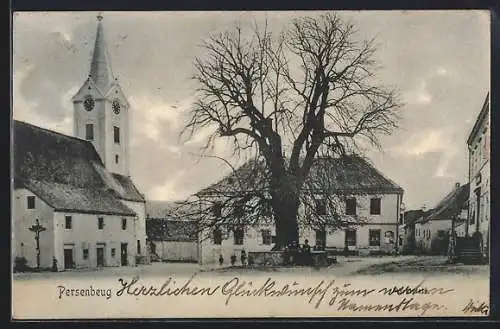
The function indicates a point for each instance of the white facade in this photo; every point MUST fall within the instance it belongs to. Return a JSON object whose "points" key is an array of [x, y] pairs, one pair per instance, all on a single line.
{"points": [[382, 228], [179, 251], [139, 226], [23, 240], [69, 234], [479, 177], [429, 235]]}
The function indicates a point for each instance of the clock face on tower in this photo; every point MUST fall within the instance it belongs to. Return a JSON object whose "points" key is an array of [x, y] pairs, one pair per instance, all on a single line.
{"points": [[116, 106], [88, 103]]}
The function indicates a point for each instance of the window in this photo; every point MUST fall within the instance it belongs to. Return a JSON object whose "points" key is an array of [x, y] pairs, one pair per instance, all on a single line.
{"points": [[100, 223], [350, 237], [472, 219], [217, 209], [124, 223], [117, 158], [138, 247], [266, 237], [68, 222], [350, 206], [238, 236], [374, 236], [400, 241], [31, 202], [478, 203], [440, 233], [375, 206], [89, 132], [113, 252], [320, 207], [85, 254], [321, 237], [116, 134], [217, 236]]}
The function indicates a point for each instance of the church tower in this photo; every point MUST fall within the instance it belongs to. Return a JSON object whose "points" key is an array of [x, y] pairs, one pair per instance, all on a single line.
{"points": [[101, 110]]}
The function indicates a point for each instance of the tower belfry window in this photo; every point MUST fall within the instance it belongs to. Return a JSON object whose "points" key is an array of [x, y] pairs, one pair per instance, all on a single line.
{"points": [[89, 132], [116, 134]]}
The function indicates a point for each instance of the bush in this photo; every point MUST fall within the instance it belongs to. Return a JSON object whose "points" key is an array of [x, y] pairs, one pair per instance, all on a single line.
{"points": [[21, 264]]}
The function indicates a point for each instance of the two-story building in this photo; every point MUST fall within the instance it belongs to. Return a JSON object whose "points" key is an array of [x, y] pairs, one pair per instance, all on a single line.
{"points": [[367, 202], [78, 188], [478, 144]]}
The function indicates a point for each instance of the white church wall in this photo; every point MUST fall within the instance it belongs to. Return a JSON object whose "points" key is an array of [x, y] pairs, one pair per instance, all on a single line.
{"points": [[140, 224], [23, 240], [85, 234]]}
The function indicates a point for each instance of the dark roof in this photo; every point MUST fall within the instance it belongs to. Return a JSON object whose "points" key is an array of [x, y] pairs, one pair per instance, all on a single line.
{"points": [[480, 118], [348, 174], [451, 205], [129, 191], [412, 215], [158, 229], [64, 171], [352, 174], [248, 176]]}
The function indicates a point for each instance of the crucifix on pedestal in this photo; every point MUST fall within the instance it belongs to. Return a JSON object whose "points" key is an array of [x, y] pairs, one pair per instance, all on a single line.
{"points": [[37, 229]]}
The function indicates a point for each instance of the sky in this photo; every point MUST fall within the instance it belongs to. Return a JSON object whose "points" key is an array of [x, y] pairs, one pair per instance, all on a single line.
{"points": [[438, 60]]}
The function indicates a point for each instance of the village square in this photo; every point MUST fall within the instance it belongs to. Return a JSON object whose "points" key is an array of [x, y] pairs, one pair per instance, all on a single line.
{"points": [[298, 192]]}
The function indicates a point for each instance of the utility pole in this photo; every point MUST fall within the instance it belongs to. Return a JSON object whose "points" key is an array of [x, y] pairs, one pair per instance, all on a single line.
{"points": [[37, 229]]}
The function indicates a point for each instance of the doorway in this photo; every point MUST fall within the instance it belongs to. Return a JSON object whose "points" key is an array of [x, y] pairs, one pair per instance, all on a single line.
{"points": [[124, 254], [68, 259], [350, 238], [100, 256]]}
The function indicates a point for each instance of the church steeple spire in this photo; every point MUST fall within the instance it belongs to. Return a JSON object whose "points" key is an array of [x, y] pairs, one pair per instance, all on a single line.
{"points": [[101, 109], [100, 66]]}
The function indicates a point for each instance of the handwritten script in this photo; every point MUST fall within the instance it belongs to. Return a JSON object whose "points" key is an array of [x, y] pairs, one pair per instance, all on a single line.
{"points": [[338, 295], [341, 295]]}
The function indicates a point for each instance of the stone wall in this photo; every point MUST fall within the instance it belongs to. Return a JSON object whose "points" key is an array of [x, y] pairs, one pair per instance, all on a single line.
{"points": [[267, 258]]}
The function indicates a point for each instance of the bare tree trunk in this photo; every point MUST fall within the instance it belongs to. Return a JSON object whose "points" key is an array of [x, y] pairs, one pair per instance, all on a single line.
{"points": [[286, 208], [287, 228]]}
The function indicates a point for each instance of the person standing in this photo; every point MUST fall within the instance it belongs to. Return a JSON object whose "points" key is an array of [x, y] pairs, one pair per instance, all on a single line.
{"points": [[243, 258]]}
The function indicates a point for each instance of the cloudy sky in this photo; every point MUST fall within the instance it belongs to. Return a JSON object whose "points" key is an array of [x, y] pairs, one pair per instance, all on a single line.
{"points": [[439, 61]]}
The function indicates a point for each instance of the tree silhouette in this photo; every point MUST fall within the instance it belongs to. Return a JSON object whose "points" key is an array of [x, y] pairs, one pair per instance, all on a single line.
{"points": [[307, 93]]}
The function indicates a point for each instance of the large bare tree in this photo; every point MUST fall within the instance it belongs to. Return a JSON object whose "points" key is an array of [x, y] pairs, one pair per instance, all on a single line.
{"points": [[293, 96]]}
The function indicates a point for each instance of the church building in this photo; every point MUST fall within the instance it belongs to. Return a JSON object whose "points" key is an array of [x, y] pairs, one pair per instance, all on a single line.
{"points": [[74, 202]]}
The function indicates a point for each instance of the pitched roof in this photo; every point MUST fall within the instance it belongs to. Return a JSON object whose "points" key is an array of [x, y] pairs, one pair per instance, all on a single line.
{"points": [[480, 118], [64, 171], [352, 174], [451, 205], [129, 191], [158, 229], [347, 174]]}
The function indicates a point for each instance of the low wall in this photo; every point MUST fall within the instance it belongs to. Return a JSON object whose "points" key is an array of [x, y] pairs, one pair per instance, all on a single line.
{"points": [[279, 258], [266, 258]]}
